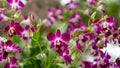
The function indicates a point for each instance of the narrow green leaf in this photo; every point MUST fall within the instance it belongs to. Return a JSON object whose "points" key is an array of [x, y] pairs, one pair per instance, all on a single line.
{"points": [[36, 36]]}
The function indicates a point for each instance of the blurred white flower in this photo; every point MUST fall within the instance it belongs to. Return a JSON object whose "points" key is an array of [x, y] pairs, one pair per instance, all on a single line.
{"points": [[24, 1], [113, 49], [63, 2]]}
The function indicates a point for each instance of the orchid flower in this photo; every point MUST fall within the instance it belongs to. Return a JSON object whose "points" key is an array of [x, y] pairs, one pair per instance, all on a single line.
{"points": [[13, 28], [15, 4], [72, 5], [59, 41], [11, 64]]}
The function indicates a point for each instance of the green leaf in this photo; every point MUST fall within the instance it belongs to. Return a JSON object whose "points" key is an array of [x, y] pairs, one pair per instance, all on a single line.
{"points": [[16, 39], [34, 51], [32, 62], [32, 42], [27, 64], [36, 36], [93, 16]]}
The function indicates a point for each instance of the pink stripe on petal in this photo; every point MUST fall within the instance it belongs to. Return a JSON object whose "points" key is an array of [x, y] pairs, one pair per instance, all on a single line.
{"points": [[14, 45], [17, 50]]}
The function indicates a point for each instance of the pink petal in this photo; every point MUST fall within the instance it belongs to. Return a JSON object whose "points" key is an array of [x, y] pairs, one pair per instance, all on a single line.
{"points": [[10, 1], [51, 36], [21, 4], [58, 33], [52, 45], [65, 37], [13, 60], [7, 65], [14, 67]]}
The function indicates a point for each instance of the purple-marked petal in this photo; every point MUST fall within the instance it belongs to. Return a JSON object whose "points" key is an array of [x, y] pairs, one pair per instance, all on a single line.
{"points": [[58, 33], [92, 2], [9, 43], [50, 12], [27, 27], [12, 23], [52, 45], [32, 29], [14, 67], [1, 57], [87, 64], [13, 60], [17, 50], [108, 33], [59, 10], [118, 62], [67, 59], [5, 55], [16, 0], [78, 45], [10, 1], [7, 28], [65, 37], [21, 4], [72, 5], [7, 65], [110, 19], [104, 65], [51, 36], [15, 4]]}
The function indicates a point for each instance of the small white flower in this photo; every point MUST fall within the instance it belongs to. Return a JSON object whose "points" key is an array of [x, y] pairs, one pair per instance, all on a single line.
{"points": [[3, 39], [113, 49], [63, 2]]}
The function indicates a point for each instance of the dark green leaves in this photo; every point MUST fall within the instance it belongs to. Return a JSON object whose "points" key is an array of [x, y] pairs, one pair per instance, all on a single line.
{"points": [[16, 39]]}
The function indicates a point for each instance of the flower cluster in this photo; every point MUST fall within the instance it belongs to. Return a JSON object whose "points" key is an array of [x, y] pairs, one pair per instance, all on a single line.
{"points": [[5, 49], [3, 17], [95, 40], [11, 64], [58, 41], [100, 38], [53, 16], [92, 2], [15, 28], [15, 4], [8, 48], [72, 5], [82, 44], [74, 22]]}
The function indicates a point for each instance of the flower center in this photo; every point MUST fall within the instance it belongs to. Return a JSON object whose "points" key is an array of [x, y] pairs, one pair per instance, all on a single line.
{"points": [[26, 34], [72, 5], [11, 31], [105, 25], [14, 5], [57, 42]]}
